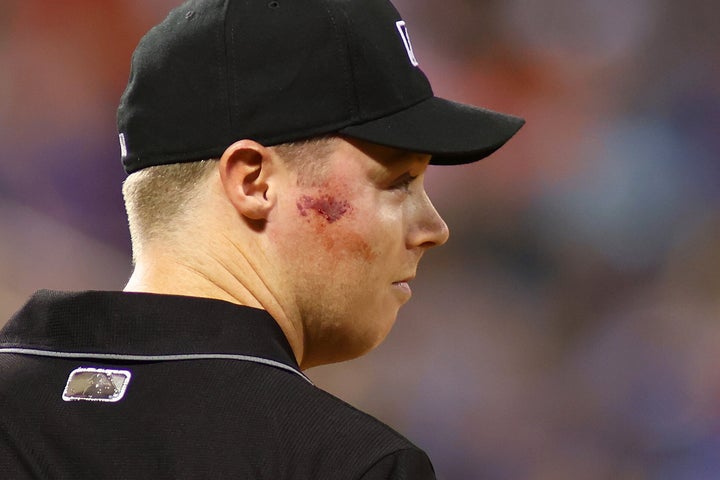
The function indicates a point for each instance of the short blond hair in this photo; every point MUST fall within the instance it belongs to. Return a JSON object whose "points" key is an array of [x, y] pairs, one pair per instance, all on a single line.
{"points": [[157, 197], [306, 157]]}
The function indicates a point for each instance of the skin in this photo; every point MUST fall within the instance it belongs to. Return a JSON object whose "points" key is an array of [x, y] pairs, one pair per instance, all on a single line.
{"points": [[330, 259]]}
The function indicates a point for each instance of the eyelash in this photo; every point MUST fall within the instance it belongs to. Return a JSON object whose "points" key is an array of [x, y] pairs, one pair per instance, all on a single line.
{"points": [[404, 182]]}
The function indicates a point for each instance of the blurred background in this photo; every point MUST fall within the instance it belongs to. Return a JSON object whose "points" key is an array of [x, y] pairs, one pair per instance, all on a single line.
{"points": [[569, 329]]}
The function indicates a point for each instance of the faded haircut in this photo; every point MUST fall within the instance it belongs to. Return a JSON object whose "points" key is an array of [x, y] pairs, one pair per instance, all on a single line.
{"points": [[156, 197], [306, 157]]}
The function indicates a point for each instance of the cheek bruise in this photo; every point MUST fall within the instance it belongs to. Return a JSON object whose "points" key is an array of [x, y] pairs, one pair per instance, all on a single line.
{"points": [[326, 206], [332, 210]]}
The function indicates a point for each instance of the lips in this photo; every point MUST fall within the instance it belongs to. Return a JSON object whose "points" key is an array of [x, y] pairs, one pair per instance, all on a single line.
{"points": [[405, 280], [404, 286]]}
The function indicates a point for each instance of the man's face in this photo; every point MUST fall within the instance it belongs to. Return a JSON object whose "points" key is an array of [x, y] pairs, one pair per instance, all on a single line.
{"points": [[349, 242]]}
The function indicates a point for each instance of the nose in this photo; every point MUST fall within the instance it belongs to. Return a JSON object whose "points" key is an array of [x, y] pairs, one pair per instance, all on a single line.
{"points": [[428, 229]]}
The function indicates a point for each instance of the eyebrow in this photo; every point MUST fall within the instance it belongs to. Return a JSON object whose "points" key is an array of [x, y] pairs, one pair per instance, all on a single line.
{"points": [[402, 159]]}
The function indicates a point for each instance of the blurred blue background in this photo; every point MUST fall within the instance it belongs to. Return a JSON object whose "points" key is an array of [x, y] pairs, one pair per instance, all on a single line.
{"points": [[569, 329]]}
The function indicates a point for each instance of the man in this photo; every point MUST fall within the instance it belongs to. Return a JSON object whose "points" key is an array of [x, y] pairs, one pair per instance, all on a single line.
{"points": [[276, 152]]}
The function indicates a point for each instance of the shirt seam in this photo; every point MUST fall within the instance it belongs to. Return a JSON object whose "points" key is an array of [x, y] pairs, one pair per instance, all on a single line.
{"points": [[154, 358]]}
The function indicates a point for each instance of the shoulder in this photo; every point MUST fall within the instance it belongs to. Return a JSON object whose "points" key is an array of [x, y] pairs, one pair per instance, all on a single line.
{"points": [[350, 442], [408, 464]]}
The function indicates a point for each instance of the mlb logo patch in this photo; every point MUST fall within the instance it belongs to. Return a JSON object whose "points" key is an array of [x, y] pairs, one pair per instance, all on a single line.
{"points": [[96, 385]]}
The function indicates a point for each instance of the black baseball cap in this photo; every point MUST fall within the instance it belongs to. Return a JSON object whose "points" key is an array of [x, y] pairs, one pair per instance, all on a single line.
{"points": [[276, 71]]}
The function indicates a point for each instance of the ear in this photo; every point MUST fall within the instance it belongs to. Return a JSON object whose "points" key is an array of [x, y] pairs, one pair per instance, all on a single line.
{"points": [[246, 169]]}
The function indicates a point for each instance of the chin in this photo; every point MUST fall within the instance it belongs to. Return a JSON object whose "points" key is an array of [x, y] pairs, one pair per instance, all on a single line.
{"points": [[348, 346], [371, 339]]}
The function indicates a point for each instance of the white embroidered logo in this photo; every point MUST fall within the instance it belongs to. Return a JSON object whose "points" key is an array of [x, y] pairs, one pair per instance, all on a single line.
{"points": [[402, 28], [123, 146]]}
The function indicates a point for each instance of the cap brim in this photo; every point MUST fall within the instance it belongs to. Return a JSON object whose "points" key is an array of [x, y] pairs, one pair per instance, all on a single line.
{"points": [[453, 133]]}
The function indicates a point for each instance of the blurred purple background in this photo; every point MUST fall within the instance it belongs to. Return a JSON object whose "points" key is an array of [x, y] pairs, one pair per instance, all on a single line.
{"points": [[571, 326]]}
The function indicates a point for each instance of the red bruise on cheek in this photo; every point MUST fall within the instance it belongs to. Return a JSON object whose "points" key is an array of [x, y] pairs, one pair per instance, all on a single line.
{"points": [[326, 206], [342, 242]]}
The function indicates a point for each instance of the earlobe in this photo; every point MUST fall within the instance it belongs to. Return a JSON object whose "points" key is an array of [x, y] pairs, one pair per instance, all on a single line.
{"points": [[245, 168]]}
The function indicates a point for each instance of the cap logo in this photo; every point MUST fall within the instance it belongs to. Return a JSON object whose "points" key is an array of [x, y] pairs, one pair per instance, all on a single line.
{"points": [[402, 28], [123, 145], [96, 385]]}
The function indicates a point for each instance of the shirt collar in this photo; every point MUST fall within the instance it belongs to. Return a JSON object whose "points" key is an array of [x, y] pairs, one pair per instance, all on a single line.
{"points": [[144, 324]]}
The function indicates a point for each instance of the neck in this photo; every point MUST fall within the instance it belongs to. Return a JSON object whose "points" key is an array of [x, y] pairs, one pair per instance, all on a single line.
{"points": [[237, 281], [175, 278]]}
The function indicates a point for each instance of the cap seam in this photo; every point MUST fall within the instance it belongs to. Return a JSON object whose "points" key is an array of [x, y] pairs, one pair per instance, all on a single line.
{"points": [[349, 77], [361, 121]]}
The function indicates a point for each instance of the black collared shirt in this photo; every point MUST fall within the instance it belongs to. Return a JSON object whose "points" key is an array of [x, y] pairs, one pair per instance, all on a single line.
{"points": [[130, 385]]}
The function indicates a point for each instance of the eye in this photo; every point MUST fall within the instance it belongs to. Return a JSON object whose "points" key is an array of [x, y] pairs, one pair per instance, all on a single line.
{"points": [[403, 183]]}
